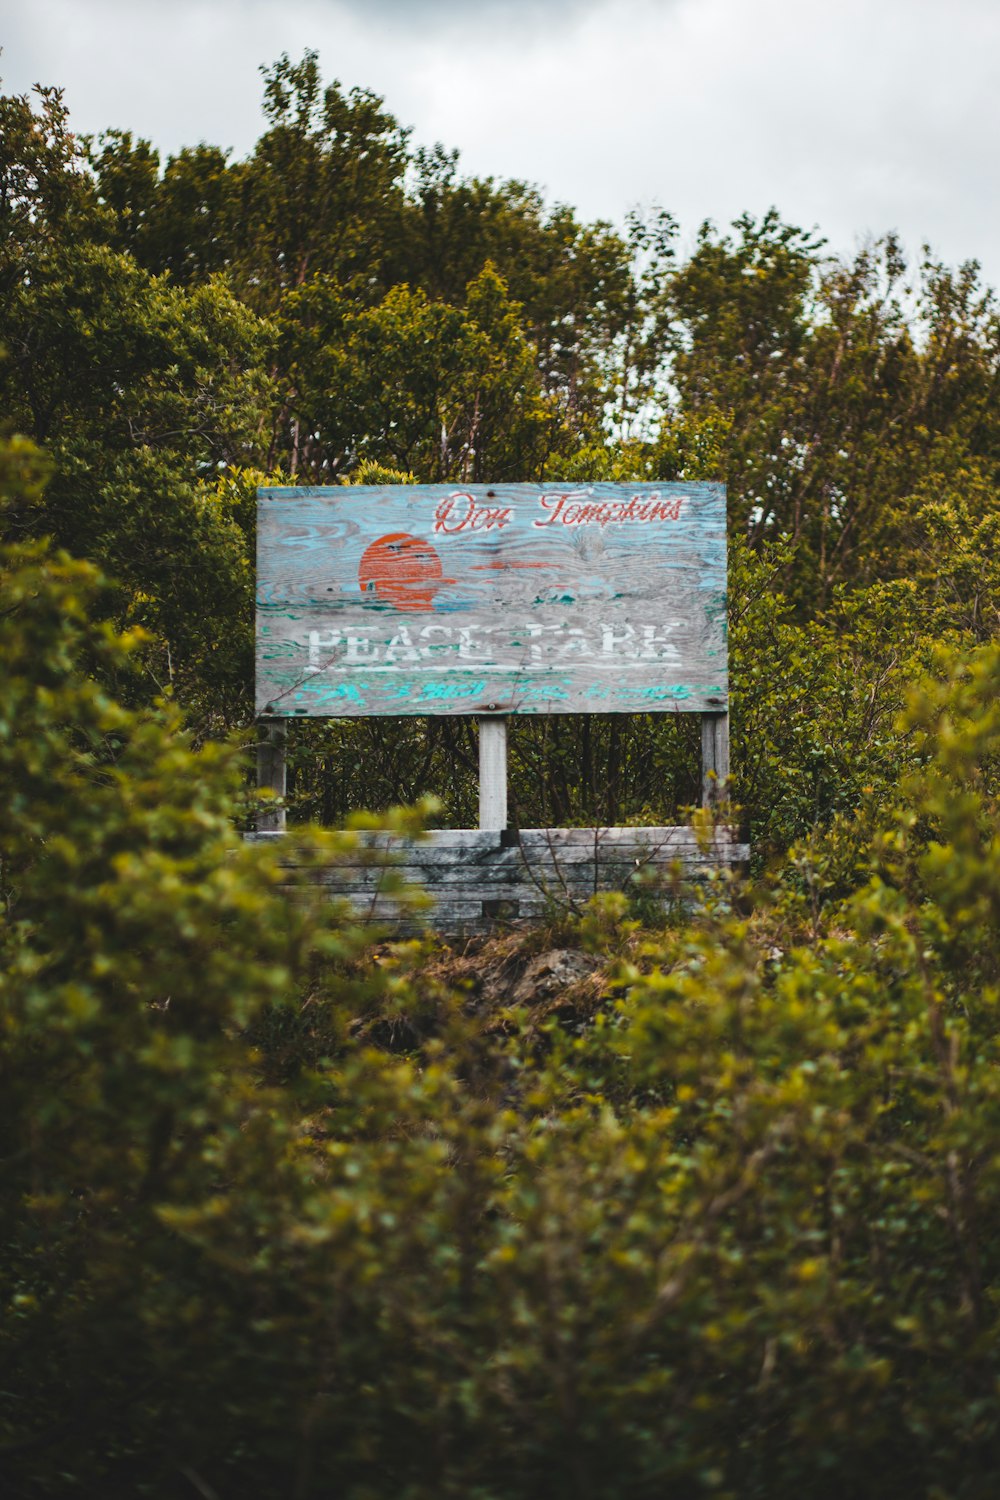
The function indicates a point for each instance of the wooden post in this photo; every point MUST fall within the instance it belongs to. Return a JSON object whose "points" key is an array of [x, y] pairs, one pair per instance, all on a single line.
{"points": [[493, 773], [714, 759], [272, 773]]}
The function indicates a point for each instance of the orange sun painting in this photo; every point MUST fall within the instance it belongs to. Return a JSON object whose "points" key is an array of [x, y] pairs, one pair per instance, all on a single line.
{"points": [[401, 570]]}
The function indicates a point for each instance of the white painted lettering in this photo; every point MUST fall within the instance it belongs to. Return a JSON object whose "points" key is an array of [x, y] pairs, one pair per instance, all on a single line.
{"points": [[321, 644], [427, 649], [536, 650], [401, 647], [656, 645], [360, 649], [618, 643], [469, 649], [575, 644]]}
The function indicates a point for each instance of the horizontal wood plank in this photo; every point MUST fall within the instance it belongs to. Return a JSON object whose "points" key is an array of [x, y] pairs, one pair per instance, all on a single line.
{"points": [[447, 845], [462, 881]]}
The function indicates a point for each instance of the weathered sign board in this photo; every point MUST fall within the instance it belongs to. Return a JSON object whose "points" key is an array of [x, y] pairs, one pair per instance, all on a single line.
{"points": [[500, 599]]}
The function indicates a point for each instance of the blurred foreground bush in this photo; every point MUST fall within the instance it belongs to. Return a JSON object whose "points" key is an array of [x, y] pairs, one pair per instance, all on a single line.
{"points": [[740, 1237]]}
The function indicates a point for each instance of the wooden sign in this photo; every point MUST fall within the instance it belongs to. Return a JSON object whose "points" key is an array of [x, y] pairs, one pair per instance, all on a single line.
{"points": [[507, 599]]}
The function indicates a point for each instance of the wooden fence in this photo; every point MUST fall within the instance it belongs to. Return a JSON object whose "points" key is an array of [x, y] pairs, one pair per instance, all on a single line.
{"points": [[474, 878]]}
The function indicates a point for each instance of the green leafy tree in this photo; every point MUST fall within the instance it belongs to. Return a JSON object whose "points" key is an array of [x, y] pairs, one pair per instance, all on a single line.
{"points": [[181, 221], [139, 389], [322, 192], [735, 1236], [422, 386], [129, 909], [839, 387], [45, 193]]}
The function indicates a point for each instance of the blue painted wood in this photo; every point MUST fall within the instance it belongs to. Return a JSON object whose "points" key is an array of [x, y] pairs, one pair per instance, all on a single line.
{"points": [[445, 599]]}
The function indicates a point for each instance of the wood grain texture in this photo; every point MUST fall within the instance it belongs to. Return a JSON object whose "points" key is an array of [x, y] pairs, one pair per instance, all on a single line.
{"points": [[431, 599], [272, 774], [473, 878], [493, 772], [714, 759]]}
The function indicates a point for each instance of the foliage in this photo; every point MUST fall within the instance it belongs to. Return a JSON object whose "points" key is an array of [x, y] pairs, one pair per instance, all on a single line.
{"points": [[444, 391], [289, 1210], [734, 1237], [340, 300], [138, 936], [842, 386]]}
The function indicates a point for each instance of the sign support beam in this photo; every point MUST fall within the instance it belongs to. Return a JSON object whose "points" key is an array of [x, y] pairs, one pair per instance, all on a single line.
{"points": [[714, 759], [493, 772], [272, 774]]}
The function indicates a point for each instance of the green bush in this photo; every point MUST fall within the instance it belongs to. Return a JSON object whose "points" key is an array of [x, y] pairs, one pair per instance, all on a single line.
{"points": [[737, 1237]]}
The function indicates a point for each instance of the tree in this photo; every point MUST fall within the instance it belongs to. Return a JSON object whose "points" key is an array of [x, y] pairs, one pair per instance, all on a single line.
{"points": [[45, 194], [322, 192], [837, 387], [136, 936], [422, 386], [736, 1235], [138, 389]]}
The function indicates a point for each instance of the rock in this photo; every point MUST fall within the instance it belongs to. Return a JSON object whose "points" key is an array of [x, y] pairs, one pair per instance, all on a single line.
{"points": [[548, 974]]}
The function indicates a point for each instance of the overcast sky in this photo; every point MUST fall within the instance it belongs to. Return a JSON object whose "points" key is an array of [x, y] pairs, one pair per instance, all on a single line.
{"points": [[856, 116]]}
